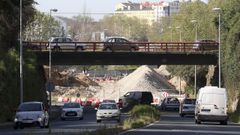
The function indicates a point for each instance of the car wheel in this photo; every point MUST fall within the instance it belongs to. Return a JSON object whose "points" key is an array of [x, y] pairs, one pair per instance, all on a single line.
{"points": [[81, 118], [132, 49], [182, 115], [223, 122], [47, 126], [118, 120], [98, 121], [108, 50], [79, 49], [21, 126], [197, 121], [63, 119], [56, 49]]}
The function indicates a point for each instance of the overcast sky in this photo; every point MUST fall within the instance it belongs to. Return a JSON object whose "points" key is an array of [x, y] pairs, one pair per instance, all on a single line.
{"points": [[70, 8]]}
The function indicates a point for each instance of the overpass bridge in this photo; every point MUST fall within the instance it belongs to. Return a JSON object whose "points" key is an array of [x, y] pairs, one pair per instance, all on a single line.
{"points": [[149, 53]]}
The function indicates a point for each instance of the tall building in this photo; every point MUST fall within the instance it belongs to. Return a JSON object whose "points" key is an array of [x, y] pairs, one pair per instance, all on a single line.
{"points": [[152, 12]]}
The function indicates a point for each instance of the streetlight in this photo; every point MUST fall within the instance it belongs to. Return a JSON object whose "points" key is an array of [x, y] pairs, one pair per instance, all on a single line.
{"points": [[21, 57], [49, 49], [219, 44], [195, 67]]}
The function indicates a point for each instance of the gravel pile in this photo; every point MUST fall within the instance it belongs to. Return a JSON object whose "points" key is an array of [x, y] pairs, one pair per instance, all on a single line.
{"points": [[142, 79]]}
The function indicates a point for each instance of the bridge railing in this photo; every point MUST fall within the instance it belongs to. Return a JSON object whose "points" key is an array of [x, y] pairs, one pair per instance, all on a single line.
{"points": [[143, 46]]}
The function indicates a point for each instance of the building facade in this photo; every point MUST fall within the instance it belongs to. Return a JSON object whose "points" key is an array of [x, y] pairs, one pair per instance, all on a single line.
{"points": [[151, 12]]}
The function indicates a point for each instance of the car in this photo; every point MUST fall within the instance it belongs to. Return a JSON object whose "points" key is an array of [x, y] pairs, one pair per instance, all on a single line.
{"points": [[65, 43], [187, 107], [170, 103], [72, 110], [205, 44], [132, 98], [108, 111], [113, 44], [108, 101], [211, 105], [31, 113]]}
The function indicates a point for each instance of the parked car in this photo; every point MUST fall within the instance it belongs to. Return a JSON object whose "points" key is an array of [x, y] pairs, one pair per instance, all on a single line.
{"points": [[108, 111], [31, 113], [187, 107], [113, 44], [211, 105], [72, 110], [136, 97], [205, 45], [170, 103], [59, 43]]}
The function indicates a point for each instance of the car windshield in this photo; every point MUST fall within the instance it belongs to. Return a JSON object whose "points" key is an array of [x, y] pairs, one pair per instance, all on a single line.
{"points": [[108, 106], [30, 107], [71, 105], [189, 101]]}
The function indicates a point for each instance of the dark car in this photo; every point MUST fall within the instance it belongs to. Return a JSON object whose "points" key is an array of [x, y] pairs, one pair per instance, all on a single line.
{"points": [[187, 107], [113, 44], [136, 97], [205, 45], [170, 103]]}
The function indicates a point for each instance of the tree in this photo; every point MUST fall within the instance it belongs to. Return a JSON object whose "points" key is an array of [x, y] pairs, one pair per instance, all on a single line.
{"points": [[40, 28], [9, 20]]}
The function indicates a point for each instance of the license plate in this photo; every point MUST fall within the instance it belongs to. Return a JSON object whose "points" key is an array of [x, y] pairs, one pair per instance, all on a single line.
{"points": [[71, 114]]}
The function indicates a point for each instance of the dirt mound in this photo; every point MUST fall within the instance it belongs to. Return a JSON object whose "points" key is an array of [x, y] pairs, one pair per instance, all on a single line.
{"points": [[142, 79]]}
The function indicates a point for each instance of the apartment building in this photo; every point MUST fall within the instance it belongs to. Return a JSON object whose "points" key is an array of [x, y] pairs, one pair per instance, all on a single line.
{"points": [[151, 12]]}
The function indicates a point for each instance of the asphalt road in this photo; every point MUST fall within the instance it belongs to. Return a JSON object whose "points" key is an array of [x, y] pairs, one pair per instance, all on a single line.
{"points": [[172, 124], [68, 126]]}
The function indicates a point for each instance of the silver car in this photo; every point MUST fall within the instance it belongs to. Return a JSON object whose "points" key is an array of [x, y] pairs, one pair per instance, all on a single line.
{"points": [[65, 43], [108, 111], [72, 110], [187, 107], [31, 113]]}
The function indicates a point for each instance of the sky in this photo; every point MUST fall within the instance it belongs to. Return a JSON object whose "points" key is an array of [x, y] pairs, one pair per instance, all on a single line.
{"points": [[69, 8]]}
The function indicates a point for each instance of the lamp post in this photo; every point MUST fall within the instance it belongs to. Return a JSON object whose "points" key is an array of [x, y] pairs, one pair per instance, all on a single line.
{"points": [[49, 84], [219, 44], [195, 67], [21, 57]]}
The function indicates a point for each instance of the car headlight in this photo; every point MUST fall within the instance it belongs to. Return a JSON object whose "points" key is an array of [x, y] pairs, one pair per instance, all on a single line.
{"points": [[16, 119]]}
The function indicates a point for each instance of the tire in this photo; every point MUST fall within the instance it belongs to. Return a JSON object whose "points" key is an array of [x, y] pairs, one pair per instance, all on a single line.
{"points": [[132, 49], [21, 126], [81, 118], [63, 119], [182, 115], [197, 121], [79, 49], [223, 122], [108, 50], [98, 121], [118, 120], [56, 49], [47, 126]]}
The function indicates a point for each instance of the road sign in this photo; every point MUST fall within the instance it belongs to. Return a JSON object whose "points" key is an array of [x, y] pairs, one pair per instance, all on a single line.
{"points": [[50, 86], [165, 94]]}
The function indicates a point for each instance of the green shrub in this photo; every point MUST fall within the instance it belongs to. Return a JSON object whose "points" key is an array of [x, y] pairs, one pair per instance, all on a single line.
{"points": [[141, 115]]}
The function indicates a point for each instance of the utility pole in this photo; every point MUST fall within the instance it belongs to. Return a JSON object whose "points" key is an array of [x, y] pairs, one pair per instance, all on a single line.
{"points": [[21, 55]]}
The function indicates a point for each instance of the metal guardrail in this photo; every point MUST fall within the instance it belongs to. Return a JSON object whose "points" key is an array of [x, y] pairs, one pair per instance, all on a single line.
{"points": [[143, 46]]}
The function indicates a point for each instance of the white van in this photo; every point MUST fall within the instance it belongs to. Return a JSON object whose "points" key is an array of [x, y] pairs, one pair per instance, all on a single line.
{"points": [[211, 105]]}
